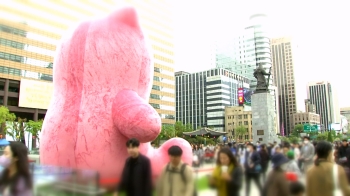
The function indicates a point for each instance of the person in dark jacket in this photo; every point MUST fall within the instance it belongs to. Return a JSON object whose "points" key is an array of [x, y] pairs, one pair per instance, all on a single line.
{"points": [[227, 176], [136, 178], [264, 155], [344, 154], [252, 165]]}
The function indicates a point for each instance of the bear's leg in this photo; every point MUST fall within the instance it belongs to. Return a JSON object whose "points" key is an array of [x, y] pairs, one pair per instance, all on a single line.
{"points": [[134, 117]]}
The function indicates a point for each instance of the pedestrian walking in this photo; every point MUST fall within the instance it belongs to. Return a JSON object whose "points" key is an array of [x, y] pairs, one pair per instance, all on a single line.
{"points": [[307, 154], [252, 167], [136, 178], [177, 178], [227, 175]]}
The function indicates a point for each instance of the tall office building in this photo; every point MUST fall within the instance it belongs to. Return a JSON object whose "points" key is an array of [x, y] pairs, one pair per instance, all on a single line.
{"points": [[324, 97], [30, 31], [283, 71], [309, 107], [201, 97], [245, 52]]}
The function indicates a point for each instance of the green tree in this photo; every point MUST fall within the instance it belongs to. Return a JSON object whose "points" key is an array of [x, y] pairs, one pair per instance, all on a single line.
{"points": [[179, 128], [299, 128], [284, 139], [5, 116], [240, 131], [188, 128], [294, 139], [322, 136], [17, 129], [330, 136], [34, 127]]}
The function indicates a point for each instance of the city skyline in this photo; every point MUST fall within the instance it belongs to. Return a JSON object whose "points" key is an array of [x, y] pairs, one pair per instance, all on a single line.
{"points": [[319, 46], [321, 38]]}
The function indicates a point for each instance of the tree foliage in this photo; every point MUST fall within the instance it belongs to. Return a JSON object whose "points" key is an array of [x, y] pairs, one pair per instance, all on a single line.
{"points": [[177, 130], [299, 128], [330, 136], [322, 136], [17, 129], [5, 116], [171, 131], [240, 131], [34, 127]]}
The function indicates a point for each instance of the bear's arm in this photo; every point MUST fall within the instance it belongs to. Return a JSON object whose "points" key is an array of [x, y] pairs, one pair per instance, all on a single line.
{"points": [[134, 117]]}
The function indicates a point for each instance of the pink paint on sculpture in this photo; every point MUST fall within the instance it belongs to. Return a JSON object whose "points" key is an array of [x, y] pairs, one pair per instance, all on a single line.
{"points": [[103, 76]]}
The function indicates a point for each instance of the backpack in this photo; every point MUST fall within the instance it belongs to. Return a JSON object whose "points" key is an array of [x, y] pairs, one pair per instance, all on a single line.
{"points": [[183, 177]]}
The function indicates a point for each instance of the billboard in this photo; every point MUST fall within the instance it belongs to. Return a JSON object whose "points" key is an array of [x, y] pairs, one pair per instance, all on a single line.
{"points": [[35, 94], [247, 96], [240, 96], [335, 126]]}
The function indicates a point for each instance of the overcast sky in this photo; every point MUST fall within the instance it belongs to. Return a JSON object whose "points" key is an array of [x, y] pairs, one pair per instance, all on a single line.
{"points": [[321, 30]]}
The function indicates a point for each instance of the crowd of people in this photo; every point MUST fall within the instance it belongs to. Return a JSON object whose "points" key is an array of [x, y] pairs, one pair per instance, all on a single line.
{"points": [[311, 169], [276, 169]]}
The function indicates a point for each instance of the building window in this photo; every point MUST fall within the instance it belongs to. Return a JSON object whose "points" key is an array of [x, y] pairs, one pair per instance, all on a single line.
{"points": [[154, 96], [155, 87], [239, 116], [9, 70], [13, 44], [156, 78], [155, 106], [245, 116], [240, 123], [260, 132], [245, 122], [11, 57]]}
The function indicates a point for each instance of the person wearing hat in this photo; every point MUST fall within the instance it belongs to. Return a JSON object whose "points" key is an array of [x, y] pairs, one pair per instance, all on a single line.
{"points": [[277, 183], [292, 165]]}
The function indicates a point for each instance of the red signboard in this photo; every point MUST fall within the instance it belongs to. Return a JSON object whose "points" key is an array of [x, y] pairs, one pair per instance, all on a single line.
{"points": [[240, 96]]}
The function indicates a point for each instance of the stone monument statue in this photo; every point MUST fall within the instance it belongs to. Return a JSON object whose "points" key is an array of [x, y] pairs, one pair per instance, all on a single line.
{"points": [[263, 109], [262, 83]]}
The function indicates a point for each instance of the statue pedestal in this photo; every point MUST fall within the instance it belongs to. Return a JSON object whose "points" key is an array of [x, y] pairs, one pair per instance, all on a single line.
{"points": [[263, 118]]}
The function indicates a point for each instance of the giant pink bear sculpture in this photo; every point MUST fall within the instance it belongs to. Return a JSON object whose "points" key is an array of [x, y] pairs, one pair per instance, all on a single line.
{"points": [[103, 76]]}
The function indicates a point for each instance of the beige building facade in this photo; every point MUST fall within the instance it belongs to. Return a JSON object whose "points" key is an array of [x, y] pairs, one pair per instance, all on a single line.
{"points": [[237, 116], [305, 118]]}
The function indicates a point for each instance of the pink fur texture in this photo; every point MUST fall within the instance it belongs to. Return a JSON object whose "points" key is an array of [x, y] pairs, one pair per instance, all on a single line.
{"points": [[103, 76]]}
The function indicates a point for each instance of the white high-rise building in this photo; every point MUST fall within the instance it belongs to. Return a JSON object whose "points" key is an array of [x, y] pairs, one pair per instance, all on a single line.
{"points": [[245, 52], [324, 97]]}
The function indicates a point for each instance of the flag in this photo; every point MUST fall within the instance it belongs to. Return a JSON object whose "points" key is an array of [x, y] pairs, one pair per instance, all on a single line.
{"points": [[282, 130]]}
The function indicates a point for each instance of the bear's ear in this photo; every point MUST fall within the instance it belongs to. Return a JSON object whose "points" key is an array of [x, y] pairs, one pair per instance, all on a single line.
{"points": [[126, 15]]}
